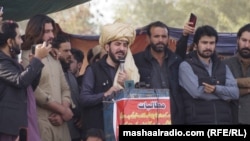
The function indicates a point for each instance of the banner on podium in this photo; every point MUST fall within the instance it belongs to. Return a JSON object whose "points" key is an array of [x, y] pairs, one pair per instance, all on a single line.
{"points": [[137, 107]]}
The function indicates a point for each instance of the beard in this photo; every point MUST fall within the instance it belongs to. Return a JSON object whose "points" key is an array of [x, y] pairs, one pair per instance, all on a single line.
{"points": [[65, 64], [15, 50], [73, 70], [244, 52], [159, 47], [50, 40], [206, 53], [113, 58]]}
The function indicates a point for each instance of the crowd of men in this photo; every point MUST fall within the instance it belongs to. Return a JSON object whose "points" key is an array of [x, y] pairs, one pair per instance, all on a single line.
{"points": [[47, 96]]}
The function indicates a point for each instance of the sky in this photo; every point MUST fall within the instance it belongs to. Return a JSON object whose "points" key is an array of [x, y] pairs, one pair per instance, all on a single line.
{"points": [[102, 10]]}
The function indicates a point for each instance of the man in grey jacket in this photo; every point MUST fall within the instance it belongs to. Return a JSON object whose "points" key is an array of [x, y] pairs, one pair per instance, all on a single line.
{"points": [[208, 86]]}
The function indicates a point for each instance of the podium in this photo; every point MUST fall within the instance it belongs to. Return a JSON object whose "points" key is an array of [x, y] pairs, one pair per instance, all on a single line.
{"points": [[136, 107]]}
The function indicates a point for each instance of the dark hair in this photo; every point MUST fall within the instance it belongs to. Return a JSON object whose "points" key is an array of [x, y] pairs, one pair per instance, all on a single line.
{"points": [[205, 30], [156, 24], [60, 38], [90, 55], [94, 54], [78, 55], [7, 31], [35, 30], [243, 29], [95, 132]]}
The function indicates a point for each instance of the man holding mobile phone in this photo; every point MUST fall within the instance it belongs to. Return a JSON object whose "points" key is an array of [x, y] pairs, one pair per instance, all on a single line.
{"points": [[15, 85], [188, 29], [52, 92]]}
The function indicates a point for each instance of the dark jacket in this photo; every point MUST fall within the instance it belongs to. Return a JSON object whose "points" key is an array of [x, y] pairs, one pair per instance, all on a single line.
{"points": [[218, 69], [182, 45], [13, 92], [144, 66], [199, 111], [93, 107], [75, 96]]}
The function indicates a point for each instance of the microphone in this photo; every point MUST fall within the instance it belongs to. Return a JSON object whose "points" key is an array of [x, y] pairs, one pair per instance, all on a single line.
{"points": [[122, 64]]}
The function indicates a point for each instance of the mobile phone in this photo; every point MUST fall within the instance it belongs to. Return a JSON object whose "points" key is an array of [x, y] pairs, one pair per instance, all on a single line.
{"points": [[193, 19], [1, 8], [33, 49], [23, 134]]}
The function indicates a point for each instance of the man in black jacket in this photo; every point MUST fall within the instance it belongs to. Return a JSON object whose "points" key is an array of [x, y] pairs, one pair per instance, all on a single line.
{"points": [[104, 78], [158, 67], [17, 102]]}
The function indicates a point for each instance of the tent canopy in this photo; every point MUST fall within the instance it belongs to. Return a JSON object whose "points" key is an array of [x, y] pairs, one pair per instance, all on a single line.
{"points": [[19, 10]]}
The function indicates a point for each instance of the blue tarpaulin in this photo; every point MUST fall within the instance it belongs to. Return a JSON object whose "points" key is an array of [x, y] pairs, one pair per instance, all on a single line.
{"points": [[226, 44]]}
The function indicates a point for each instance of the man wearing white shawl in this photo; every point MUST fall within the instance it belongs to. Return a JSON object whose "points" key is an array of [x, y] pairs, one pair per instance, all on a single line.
{"points": [[102, 79], [125, 33]]}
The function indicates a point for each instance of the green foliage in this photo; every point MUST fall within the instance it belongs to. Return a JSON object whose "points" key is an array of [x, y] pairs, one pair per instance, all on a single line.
{"points": [[224, 15], [75, 20]]}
